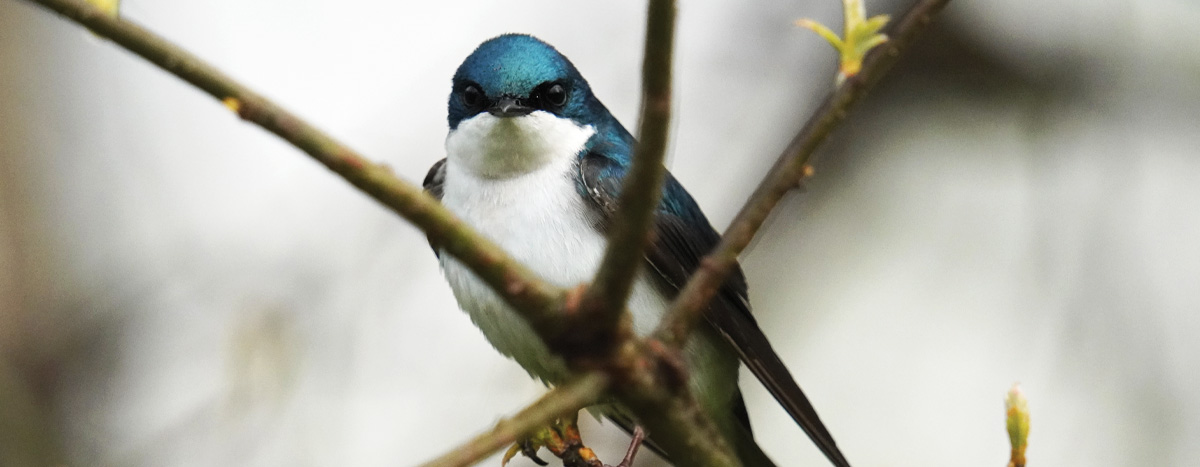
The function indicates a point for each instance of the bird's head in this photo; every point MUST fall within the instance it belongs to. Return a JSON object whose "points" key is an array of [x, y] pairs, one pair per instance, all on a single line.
{"points": [[515, 75], [517, 104]]}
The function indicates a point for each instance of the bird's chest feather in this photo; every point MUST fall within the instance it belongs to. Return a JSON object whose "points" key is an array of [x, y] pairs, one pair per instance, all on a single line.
{"points": [[513, 181], [538, 218], [540, 221]]}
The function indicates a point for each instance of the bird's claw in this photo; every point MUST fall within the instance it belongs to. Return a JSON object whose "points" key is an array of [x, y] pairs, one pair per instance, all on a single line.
{"points": [[528, 447], [530, 451], [561, 439]]}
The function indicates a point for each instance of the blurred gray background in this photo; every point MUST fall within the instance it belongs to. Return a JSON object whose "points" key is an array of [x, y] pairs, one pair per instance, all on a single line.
{"points": [[1019, 201]]}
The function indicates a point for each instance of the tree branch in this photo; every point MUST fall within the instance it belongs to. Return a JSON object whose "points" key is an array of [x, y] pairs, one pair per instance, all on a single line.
{"points": [[538, 301], [659, 397], [560, 401], [641, 188], [646, 376], [652, 379], [788, 171]]}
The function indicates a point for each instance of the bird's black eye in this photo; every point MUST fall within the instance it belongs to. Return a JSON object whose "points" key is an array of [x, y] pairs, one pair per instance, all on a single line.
{"points": [[472, 97], [554, 96]]}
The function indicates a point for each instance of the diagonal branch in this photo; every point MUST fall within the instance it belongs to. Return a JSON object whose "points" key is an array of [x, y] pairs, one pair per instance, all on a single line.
{"points": [[562, 400], [788, 171], [521, 288], [659, 398], [641, 188]]}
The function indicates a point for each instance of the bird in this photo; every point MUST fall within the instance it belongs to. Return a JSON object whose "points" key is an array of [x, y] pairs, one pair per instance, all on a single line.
{"points": [[534, 161]]}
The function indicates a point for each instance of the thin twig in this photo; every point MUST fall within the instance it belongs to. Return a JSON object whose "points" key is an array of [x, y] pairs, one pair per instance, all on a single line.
{"points": [[641, 188], [664, 403], [521, 288], [561, 401], [788, 171]]}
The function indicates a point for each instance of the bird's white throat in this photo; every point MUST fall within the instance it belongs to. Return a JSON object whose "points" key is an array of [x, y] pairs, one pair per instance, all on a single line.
{"points": [[504, 147]]}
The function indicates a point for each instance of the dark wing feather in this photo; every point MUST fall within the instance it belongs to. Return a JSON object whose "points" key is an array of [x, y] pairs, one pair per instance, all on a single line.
{"points": [[435, 179], [682, 236], [434, 182]]}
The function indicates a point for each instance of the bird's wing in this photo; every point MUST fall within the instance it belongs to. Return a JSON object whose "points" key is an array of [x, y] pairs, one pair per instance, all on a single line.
{"points": [[435, 179], [682, 236], [434, 183]]}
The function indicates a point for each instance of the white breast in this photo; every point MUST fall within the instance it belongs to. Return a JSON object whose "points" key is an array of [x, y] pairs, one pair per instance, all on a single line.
{"points": [[513, 179]]}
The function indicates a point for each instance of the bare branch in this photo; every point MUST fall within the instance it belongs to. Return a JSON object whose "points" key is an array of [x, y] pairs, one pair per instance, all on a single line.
{"points": [[646, 376], [659, 396], [670, 413], [522, 289], [791, 167], [641, 188], [561, 401], [659, 400]]}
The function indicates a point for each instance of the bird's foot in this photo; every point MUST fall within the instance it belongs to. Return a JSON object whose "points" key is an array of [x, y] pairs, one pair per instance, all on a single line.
{"points": [[528, 446], [634, 444], [561, 439]]}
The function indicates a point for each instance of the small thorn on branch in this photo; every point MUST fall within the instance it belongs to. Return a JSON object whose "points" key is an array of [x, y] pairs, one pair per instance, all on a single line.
{"points": [[805, 173], [514, 284], [574, 299], [233, 104]]}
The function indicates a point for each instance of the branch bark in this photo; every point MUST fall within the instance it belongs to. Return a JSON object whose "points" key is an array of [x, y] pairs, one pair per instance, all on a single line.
{"points": [[644, 375], [642, 187], [559, 402], [789, 170], [670, 412]]}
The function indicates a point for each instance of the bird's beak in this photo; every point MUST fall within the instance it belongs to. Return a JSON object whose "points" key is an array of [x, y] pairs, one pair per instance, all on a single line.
{"points": [[510, 107]]}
